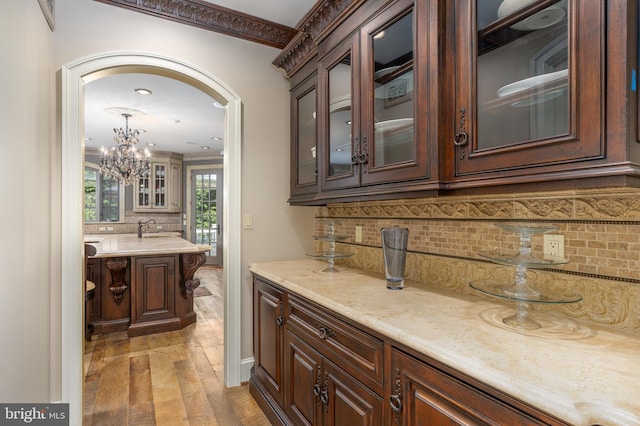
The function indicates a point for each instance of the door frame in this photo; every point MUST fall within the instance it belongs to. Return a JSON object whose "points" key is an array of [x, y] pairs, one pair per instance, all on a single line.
{"points": [[189, 198], [73, 77]]}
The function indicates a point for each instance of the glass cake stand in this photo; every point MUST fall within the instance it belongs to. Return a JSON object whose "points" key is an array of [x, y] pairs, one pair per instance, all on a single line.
{"points": [[518, 290], [331, 253]]}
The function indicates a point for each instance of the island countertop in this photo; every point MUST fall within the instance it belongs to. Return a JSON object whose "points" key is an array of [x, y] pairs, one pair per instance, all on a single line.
{"points": [[578, 372], [119, 245]]}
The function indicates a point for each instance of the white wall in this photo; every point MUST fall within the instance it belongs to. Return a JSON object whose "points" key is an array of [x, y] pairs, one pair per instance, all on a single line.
{"points": [[86, 28], [27, 273], [31, 189]]}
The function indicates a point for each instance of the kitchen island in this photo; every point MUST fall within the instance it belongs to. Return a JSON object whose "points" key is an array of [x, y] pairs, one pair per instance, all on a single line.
{"points": [[425, 352], [143, 285]]}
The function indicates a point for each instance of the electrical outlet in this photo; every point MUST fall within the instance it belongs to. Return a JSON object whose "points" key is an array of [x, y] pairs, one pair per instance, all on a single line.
{"points": [[553, 245], [358, 234], [158, 226]]}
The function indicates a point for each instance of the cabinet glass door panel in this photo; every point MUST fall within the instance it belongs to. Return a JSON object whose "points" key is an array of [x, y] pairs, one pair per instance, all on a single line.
{"points": [[393, 93], [529, 87], [340, 118], [160, 179], [306, 125], [522, 72]]}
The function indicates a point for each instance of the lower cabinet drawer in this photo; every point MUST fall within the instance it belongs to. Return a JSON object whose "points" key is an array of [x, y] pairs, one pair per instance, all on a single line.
{"points": [[358, 353]]}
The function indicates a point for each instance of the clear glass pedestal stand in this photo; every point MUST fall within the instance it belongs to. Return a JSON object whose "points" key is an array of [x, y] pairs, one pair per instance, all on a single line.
{"points": [[519, 291], [331, 253]]}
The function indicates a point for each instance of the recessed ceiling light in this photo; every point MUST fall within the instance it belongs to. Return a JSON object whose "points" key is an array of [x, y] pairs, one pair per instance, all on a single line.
{"points": [[216, 138], [205, 147], [218, 104], [143, 91], [151, 144], [190, 143], [348, 122], [88, 139], [141, 130]]}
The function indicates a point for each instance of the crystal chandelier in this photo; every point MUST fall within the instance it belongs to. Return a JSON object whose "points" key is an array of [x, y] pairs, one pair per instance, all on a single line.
{"points": [[123, 162]]}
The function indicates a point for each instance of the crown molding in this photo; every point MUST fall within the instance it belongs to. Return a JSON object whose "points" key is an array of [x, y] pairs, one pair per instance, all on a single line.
{"points": [[215, 18], [313, 27]]}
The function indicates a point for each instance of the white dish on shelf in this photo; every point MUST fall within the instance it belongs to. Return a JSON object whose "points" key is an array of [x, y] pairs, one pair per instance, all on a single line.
{"points": [[398, 124], [531, 82], [539, 20]]}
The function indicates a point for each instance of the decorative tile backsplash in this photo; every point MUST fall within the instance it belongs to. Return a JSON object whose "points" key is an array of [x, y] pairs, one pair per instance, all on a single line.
{"points": [[601, 229], [165, 222]]}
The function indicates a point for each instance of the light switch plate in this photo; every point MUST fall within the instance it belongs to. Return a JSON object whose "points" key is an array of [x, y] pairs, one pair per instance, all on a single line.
{"points": [[247, 221]]}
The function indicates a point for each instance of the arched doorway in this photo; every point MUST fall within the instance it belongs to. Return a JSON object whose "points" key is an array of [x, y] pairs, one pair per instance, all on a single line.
{"points": [[74, 76]]}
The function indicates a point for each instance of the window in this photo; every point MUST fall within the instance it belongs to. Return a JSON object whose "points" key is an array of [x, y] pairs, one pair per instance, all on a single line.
{"points": [[103, 197]]}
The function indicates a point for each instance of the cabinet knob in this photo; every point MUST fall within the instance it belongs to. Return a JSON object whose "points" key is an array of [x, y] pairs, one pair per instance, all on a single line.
{"points": [[325, 332], [279, 320]]}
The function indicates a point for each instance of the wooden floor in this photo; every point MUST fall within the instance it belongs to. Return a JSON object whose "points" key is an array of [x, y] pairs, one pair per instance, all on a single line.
{"points": [[173, 378]]}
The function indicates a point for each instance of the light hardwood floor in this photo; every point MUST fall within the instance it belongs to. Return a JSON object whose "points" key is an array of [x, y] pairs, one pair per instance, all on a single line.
{"points": [[173, 378]]}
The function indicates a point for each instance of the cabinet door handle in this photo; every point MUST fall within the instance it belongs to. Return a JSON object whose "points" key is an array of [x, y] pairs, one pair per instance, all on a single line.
{"points": [[461, 138], [395, 401], [279, 320], [316, 390], [364, 158], [324, 397]]}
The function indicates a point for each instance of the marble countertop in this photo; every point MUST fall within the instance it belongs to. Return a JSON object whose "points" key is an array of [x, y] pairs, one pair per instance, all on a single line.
{"points": [[116, 245], [578, 372]]}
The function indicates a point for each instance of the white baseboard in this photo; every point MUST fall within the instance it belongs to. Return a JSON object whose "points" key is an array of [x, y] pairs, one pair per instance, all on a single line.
{"points": [[245, 369]]}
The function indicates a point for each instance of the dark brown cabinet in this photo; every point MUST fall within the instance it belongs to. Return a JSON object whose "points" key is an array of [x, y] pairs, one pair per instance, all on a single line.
{"points": [[155, 283], [304, 136], [268, 320], [422, 394], [313, 367], [530, 91], [370, 90], [539, 94], [317, 392]]}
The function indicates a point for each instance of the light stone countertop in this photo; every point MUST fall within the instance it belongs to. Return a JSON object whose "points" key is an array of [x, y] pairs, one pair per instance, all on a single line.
{"points": [[117, 245], [578, 372]]}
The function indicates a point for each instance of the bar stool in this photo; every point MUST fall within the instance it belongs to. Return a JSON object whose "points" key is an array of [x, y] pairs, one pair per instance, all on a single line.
{"points": [[90, 289]]}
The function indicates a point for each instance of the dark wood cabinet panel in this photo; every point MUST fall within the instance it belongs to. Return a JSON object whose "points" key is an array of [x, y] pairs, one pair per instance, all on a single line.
{"points": [[422, 394], [360, 354], [155, 283], [303, 382], [268, 305], [348, 401]]}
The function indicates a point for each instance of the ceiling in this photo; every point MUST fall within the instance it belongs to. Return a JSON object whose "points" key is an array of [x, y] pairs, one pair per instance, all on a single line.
{"points": [[176, 117]]}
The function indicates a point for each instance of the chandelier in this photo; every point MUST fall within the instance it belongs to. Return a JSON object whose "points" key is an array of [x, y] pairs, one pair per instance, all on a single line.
{"points": [[123, 162]]}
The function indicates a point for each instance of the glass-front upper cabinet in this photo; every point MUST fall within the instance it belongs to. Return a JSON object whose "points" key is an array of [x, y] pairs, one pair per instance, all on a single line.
{"points": [[304, 171], [529, 85], [370, 133]]}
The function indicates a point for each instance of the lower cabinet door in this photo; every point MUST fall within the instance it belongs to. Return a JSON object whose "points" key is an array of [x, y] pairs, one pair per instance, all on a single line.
{"points": [[303, 382], [155, 282], [268, 338], [318, 392], [423, 395], [347, 401]]}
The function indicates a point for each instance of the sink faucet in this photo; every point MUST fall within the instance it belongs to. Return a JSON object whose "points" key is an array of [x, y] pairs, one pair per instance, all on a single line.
{"points": [[145, 223]]}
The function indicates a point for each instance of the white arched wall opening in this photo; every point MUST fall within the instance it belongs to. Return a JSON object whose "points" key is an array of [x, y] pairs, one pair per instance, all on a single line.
{"points": [[74, 76]]}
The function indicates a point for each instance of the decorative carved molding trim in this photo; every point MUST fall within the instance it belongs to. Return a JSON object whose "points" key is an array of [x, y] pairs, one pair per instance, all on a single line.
{"points": [[611, 205], [322, 16], [295, 54], [190, 263], [117, 267], [211, 17]]}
